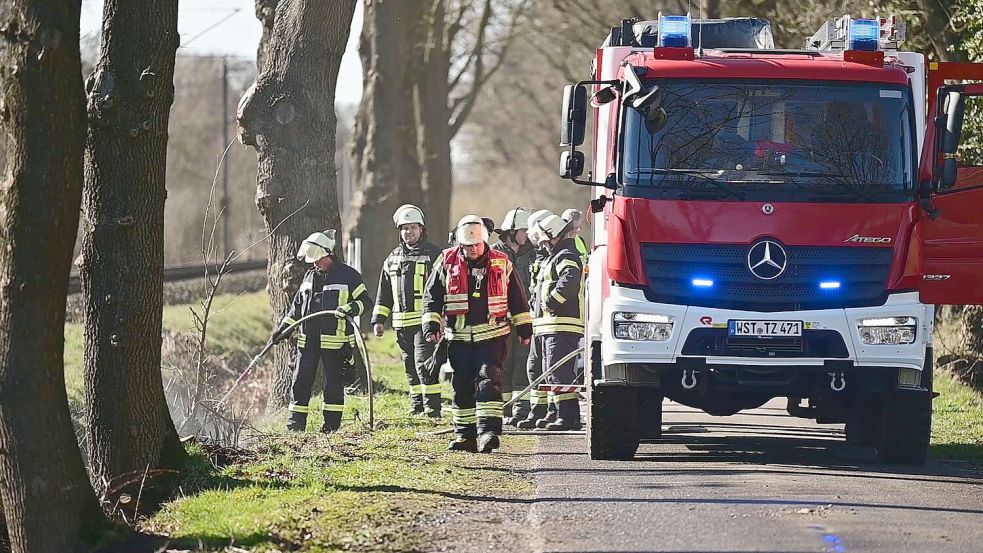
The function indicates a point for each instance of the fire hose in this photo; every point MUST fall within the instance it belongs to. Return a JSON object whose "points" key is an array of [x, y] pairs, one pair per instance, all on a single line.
{"points": [[360, 342], [515, 397]]}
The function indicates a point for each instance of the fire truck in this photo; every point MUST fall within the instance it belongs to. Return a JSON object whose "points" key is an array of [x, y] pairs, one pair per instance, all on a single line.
{"points": [[771, 223]]}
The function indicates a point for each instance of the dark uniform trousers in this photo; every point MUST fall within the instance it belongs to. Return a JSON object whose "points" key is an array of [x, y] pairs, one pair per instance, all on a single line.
{"points": [[305, 371], [556, 347], [424, 379], [477, 383], [514, 377], [534, 369]]}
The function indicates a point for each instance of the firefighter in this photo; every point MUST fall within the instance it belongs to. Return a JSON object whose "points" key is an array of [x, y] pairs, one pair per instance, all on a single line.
{"points": [[400, 300], [541, 408], [514, 242], [328, 285], [576, 218], [471, 295], [559, 315]]}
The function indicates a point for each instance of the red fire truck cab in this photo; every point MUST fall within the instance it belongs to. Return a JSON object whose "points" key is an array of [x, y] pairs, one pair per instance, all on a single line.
{"points": [[771, 223]]}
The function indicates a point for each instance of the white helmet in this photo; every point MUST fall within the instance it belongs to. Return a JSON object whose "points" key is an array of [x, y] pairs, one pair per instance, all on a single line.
{"points": [[471, 230], [406, 214], [552, 227], [316, 246], [516, 219], [533, 221], [572, 214]]}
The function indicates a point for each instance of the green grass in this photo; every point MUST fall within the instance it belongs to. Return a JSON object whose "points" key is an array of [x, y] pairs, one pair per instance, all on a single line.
{"points": [[352, 490], [957, 421]]}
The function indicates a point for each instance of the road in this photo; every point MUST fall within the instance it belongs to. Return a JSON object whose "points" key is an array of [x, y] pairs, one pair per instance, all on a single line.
{"points": [[760, 481]]}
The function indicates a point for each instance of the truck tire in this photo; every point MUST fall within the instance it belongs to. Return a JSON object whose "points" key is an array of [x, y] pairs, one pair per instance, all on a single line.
{"points": [[650, 414], [612, 423], [906, 423]]}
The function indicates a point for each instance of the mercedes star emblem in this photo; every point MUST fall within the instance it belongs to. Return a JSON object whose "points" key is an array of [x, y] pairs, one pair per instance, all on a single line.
{"points": [[767, 260], [768, 209]]}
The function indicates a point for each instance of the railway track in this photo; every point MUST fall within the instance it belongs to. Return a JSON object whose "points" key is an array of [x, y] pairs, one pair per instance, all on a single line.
{"points": [[183, 272]]}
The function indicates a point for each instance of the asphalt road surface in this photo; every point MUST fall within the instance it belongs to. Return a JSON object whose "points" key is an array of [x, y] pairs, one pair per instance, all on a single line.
{"points": [[760, 481]]}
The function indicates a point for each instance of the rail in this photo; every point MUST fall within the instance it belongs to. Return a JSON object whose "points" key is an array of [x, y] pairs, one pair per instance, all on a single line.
{"points": [[183, 272]]}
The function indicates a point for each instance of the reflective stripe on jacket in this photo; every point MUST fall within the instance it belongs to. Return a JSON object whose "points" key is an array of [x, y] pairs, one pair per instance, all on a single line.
{"points": [[477, 323], [560, 296], [401, 285], [341, 288]]}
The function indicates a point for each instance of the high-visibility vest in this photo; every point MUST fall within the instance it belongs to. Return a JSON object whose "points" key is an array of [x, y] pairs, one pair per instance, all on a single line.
{"points": [[456, 269]]}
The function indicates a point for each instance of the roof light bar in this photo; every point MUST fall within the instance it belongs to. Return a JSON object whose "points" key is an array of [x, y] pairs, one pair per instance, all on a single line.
{"points": [[674, 31], [863, 35]]}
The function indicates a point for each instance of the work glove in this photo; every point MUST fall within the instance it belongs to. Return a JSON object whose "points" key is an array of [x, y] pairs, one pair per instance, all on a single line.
{"points": [[343, 310], [280, 334]]}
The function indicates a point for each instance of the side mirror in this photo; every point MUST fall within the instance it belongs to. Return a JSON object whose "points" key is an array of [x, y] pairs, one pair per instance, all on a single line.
{"points": [[571, 164], [952, 107], [573, 119]]}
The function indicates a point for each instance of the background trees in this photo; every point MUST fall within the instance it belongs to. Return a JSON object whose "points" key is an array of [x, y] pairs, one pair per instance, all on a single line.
{"points": [[129, 98], [48, 502], [288, 116]]}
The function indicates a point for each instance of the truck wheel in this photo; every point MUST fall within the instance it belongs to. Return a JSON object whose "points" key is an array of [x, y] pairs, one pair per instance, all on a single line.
{"points": [[905, 428], [906, 422], [612, 423], [649, 414]]}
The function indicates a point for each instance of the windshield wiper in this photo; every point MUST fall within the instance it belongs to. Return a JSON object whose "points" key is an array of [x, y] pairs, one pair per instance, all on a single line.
{"points": [[831, 177], [703, 174]]}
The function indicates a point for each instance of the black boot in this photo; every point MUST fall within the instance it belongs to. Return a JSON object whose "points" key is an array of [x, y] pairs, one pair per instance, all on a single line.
{"points": [[536, 412], [432, 406], [520, 410], [549, 418], [488, 442], [296, 422], [332, 421], [461, 443], [568, 416]]}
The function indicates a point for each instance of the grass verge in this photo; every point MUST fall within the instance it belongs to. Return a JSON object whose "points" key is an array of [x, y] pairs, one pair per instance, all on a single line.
{"points": [[957, 421], [353, 490]]}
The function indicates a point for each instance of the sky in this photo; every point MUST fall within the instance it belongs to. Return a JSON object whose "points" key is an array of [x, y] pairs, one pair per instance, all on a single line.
{"points": [[229, 27]]}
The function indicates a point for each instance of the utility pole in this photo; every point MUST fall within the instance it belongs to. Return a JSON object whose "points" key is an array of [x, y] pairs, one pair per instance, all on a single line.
{"points": [[226, 213]]}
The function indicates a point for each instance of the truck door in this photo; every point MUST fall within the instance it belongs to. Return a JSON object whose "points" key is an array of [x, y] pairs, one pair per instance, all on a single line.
{"points": [[950, 236]]}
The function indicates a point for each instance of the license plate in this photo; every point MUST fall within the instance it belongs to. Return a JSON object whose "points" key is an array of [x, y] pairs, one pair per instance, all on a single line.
{"points": [[764, 328]]}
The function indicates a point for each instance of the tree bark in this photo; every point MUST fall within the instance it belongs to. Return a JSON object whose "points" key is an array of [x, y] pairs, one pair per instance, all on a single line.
{"points": [[433, 111], [265, 12], [288, 116], [130, 93], [387, 170], [47, 498]]}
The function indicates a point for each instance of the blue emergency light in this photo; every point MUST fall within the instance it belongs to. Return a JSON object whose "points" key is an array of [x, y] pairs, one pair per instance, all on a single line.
{"points": [[830, 285], [863, 34], [674, 31], [703, 282]]}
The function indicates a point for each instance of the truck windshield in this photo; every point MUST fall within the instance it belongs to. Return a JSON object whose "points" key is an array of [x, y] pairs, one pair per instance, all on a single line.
{"points": [[769, 140]]}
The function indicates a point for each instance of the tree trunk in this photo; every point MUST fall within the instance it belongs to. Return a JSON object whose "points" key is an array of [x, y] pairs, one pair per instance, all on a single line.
{"points": [[129, 99], [288, 116], [387, 172], [46, 494], [433, 111], [265, 12]]}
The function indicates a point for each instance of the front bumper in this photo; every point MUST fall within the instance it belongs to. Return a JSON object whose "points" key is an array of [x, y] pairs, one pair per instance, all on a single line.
{"points": [[838, 325]]}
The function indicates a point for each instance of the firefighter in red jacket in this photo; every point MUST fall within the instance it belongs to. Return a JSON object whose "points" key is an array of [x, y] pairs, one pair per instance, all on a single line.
{"points": [[474, 299], [329, 285]]}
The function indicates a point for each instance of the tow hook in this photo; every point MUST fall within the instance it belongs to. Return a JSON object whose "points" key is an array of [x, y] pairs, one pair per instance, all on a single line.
{"points": [[690, 382], [837, 381]]}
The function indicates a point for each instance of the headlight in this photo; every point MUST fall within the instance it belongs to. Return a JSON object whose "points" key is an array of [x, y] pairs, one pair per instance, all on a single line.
{"points": [[642, 326], [887, 330]]}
